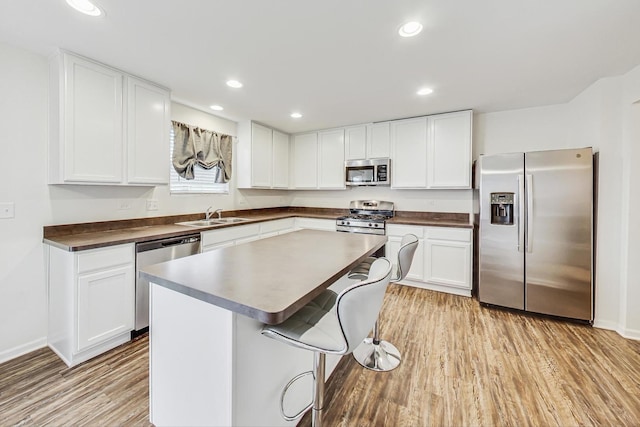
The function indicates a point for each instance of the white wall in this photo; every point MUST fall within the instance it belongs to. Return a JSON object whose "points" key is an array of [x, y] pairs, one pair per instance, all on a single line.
{"points": [[605, 117], [23, 164], [405, 200], [23, 109], [631, 191]]}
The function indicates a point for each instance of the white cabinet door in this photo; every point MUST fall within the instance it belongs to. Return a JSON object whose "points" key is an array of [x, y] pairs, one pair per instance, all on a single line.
{"points": [[92, 140], [261, 156], [448, 253], [416, 272], [105, 305], [355, 143], [448, 263], [331, 159], [449, 150], [280, 162], [378, 135], [305, 160], [148, 124], [409, 153]]}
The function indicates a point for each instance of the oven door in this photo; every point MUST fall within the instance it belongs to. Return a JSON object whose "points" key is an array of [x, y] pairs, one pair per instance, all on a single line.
{"points": [[363, 230], [360, 175]]}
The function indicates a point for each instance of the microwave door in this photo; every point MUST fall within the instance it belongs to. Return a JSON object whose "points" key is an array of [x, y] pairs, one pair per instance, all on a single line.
{"points": [[359, 175]]}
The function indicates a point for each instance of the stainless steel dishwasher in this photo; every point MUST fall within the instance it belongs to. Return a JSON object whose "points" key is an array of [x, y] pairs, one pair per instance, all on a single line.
{"points": [[155, 252]]}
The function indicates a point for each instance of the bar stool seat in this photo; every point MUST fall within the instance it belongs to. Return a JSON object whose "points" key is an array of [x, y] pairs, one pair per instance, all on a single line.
{"points": [[332, 324]]}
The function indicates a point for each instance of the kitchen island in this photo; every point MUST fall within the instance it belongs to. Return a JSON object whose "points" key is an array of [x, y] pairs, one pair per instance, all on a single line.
{"points": [[209, 365]]}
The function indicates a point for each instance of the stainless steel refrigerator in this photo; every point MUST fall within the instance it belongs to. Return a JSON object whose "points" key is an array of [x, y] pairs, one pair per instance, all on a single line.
{"points": [[536, 232]]}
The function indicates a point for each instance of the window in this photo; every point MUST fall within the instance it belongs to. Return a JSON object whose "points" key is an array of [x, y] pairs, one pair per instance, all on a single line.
{"points": [[204, 181]]}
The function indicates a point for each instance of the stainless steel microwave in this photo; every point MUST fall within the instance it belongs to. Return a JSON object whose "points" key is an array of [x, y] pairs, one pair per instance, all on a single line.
{"points": [[367, 172]]}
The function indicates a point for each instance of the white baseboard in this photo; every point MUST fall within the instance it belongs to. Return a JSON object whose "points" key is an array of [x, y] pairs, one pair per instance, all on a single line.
{"points": [[439, 288], [632, 334], [605, 324], [12, 353]]}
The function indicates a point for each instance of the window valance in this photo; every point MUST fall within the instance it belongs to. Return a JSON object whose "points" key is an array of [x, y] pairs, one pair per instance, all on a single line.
{"points": [[194, 145]]}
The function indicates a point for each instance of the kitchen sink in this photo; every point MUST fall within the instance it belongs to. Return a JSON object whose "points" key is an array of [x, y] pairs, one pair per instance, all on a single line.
{"points": [[229, 220], [210, 222]]}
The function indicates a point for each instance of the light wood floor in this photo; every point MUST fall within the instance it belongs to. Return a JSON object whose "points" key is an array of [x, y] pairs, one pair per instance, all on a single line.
{"points": [[463, 365]]}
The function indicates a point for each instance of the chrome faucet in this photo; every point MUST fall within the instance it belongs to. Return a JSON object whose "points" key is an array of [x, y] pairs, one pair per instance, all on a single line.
{"points": [[208, 213]]}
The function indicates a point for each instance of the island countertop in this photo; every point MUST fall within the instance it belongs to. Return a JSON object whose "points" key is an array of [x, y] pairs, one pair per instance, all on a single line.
{"points": [[268, 279]]}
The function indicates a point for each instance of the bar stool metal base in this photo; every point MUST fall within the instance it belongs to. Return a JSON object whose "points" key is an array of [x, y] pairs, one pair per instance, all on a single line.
{"points": [[380, 357]]}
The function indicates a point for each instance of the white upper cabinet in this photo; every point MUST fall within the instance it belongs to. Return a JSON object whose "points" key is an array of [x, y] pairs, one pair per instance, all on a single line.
{"points": [[378, 136], [318, 160], [355, 142], [409, 153], [148, 123], [367, 141], [331, 159], [90, 141], [280, 160], [449, 150], [304, 162], [262, 157], [432, 152]]}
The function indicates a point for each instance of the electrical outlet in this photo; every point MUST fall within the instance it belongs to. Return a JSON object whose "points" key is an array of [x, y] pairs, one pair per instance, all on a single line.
{"points": [[152, 204], [124, 205], [7, 210]]}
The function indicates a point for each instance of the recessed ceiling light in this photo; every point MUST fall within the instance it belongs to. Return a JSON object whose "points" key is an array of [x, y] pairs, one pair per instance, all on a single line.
{"points": [[85, 6], [410, 29], [216, 107], [425, 91], [234, 84], [296, 115]]}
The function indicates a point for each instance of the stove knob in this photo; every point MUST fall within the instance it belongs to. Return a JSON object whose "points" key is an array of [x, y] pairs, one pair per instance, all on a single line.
{"points": [[348, 223], [370, 225], [375, 225]]}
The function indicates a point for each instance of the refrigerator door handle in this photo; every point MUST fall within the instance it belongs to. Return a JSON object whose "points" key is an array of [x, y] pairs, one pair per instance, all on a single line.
{"points": [[529, 189], [520, 201]]}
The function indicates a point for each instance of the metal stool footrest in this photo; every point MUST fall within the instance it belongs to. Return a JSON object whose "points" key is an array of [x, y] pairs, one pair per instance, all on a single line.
{"points": [[284, 392]]}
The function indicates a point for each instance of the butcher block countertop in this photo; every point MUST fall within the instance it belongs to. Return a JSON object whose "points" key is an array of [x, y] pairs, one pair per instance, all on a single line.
{"points": [[268, 279], [78, 237]]}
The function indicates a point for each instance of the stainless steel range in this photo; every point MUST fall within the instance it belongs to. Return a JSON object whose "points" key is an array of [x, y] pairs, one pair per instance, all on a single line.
{"points": [[366, 217]]}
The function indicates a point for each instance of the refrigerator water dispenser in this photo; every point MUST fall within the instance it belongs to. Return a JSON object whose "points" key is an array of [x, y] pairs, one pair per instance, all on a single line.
{"points": [[502, 208]]}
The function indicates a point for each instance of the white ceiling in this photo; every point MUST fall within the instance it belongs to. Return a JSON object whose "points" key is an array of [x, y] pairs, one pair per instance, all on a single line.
{"points": [[342, 62]]}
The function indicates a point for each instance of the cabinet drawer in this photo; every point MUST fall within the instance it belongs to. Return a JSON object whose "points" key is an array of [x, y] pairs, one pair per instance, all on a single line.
{"points": [[316, 224], [401, 230], [276, 225], [97, 259], [230, 233], [448, 233]]}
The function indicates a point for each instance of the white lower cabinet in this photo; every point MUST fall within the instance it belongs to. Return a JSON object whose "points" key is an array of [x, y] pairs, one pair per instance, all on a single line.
{"points": [[442, 261], [395, 233], [91, 301], [316, 224], [276, 227], [215, 239]]}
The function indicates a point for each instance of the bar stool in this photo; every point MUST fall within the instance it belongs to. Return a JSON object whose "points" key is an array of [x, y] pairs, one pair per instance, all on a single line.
{"points": [[374, 353], [332, 324]]}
